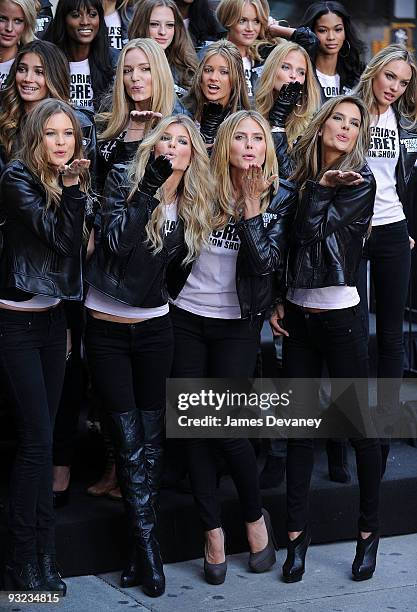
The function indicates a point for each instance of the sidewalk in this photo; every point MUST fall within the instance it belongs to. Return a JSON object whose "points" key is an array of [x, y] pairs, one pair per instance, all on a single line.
{"points": [[326, 586]]}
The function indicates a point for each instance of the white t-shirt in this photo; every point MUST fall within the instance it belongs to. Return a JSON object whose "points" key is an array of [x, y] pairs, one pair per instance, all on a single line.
{"points": [[327, 298], [330, 84], [4, 71], [114, 29], [247, 69], [81, 88], [210, 289], [96, 300], [382, 158], [37, 301]]}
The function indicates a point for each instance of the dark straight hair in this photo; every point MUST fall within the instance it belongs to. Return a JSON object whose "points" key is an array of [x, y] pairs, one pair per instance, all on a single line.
{"points": [[350, 64], [101, 66]]}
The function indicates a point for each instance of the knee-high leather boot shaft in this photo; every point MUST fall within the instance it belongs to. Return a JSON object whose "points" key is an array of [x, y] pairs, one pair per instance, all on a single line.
{"points": [[132, 474]]}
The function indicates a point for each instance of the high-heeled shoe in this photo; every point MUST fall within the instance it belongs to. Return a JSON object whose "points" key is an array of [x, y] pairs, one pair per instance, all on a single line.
{"points": [[263, 560], [24, 577], [364, 563], [50, 574], [61, 498], [130, 576], [294, 566], [215, 573]]}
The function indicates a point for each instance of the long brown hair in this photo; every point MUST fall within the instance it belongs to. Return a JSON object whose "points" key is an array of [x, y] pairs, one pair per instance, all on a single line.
{"points": [[57, 78], [307, 151], [195, 99], [180, 53], [33, 153]]}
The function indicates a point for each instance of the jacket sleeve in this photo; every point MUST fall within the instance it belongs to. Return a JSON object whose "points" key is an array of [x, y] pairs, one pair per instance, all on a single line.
{"points": [[265, 247], [59, 227], [285, 162], [123, 223], [323, 210]]}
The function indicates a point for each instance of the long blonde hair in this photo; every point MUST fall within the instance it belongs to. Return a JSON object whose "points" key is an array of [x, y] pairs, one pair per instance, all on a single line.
{"points": [[220, 166], [265, 94], [195, 99], [307, 152], [194, 194], [407, 103], [163, 92], [34, 155], [29, 11], [229, 12]]}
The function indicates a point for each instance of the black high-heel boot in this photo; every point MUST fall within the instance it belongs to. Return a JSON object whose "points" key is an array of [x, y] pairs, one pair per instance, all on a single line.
{"points": [[337, 460], [50, 574], [294, 566], [133, 480], [263, 560], [130, 576], [215, 573], [364, 563], [24, 577]]}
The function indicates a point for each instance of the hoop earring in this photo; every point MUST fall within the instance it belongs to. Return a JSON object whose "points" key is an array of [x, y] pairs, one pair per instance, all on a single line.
{"points": [[348, 53]]}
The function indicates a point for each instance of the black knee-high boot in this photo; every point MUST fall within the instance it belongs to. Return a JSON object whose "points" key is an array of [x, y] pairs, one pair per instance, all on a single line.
{"points": [[132, 474]]}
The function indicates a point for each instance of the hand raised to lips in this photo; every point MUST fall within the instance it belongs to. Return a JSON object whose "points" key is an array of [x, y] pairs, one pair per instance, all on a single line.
{"points": [[337, 178], [144, 116]]}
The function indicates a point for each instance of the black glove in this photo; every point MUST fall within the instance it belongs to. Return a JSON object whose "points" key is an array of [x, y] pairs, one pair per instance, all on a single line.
{"points": [[305, 38], [156, 173], [287, 98], [211, 118]]}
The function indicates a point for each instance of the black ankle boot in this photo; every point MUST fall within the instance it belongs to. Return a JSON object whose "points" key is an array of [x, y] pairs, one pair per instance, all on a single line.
{"points": [[294, 566], [337, 459], [133, 480], [364, 563], [24, 577], [51, 575]]}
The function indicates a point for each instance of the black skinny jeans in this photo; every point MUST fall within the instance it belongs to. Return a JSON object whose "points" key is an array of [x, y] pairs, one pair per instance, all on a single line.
{"points": [[130, 362], [337, 338], [218, 348], [32, 356], [388, 250]]}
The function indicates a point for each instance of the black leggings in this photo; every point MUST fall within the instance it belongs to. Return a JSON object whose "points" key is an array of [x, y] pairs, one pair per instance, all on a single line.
{"points": [[218, 348], [130, 362], [32, 356], [337, 338]]}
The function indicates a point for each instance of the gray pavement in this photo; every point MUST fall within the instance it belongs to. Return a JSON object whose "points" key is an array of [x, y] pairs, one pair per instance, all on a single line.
{"points": [[326, 586]]}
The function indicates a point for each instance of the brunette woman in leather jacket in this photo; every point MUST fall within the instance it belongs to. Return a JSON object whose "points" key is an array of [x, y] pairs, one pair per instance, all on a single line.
{"points": [[217, 313], [39, 71], [155, 211], [43, 200], [322, 322], [388, 87]]}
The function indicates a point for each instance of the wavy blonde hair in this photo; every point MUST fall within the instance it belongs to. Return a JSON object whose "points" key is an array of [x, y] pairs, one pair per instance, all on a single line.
{"points": [[195, 99], [29, 11], [163, 92], [220, 166], [229, 12], [194, 194], [308, 152], [407, 103], [265, 94], [34, 155]]}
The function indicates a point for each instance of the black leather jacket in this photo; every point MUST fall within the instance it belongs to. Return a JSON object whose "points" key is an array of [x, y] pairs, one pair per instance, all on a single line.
{"points": [[42, 247], [123, 266], [328, 233], [261, 257]]}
